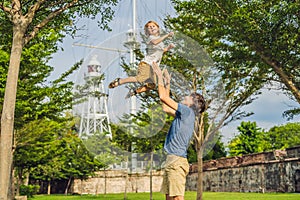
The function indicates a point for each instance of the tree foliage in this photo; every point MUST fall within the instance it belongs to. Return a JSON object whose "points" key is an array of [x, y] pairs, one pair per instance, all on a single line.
{"points": [[49, 150], [148, 134], [252, 139], [253, 43], [104, 149], [242, 39], [248, 140], [52, 14], [282, 137], [215, 148], [36, 97]]}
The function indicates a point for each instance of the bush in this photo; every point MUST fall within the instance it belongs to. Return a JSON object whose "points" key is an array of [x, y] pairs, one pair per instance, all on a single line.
{"points": [[29, 190]]}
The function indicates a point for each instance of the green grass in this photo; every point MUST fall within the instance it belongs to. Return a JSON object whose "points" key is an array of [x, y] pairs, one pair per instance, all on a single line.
{"points": [[188, 196]]}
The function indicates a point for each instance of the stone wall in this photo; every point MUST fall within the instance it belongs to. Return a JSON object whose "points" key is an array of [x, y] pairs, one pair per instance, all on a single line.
{"points": [[277, 171], [112, 181]]}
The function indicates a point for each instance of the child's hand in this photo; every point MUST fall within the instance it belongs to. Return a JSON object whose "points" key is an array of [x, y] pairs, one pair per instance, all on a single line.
{"points": [[171, 34], [171, 46], [158, 72]]}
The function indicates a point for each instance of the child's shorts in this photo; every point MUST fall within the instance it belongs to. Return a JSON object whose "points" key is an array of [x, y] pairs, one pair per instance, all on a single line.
{"points": [[145, 73], [174, 179]]}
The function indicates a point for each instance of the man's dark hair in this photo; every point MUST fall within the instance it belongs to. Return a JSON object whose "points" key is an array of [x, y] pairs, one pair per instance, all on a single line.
{"points": [[199, 104]]}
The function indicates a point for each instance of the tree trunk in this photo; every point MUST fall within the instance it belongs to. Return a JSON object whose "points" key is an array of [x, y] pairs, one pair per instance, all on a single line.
{"points": [[68, 185], [97, 186], [151, 176], [7, 117], [19, 181], [11, 189], [199, 146], [105, 181], [285, 79], [288, 82], [126, 181], [200, 176], [49, 188], [26, 182], [81, 187]]}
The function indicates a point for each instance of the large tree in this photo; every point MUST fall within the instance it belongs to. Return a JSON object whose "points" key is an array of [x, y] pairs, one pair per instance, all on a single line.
{"points": [[36, 97], [36, 145], [27, 19], [49, 150], [251, 40], [250, 43]]}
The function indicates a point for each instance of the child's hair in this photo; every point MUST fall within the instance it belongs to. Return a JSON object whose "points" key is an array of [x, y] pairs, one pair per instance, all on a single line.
{"points": [[199, 104], [146, 27]]}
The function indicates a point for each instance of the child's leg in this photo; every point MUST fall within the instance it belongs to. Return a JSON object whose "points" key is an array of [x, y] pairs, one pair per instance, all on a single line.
{"points": [[144, 88], [131, 79], [143, 73], [136, 91], [118, 81], [141, 89]]}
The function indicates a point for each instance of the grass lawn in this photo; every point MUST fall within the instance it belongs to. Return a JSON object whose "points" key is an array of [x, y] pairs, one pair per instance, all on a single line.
{"points": [[188, 196]]}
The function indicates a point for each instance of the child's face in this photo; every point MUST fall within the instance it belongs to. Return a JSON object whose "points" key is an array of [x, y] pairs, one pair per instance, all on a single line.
{"points": [[152, 29]]}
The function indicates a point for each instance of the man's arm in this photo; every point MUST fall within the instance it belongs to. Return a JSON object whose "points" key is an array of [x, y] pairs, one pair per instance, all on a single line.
{"points": [[167, 81], [169, 105], [160, 39]]}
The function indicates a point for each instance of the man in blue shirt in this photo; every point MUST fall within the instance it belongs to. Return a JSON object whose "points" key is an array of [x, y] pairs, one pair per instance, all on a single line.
{"points": [[179, 135]]}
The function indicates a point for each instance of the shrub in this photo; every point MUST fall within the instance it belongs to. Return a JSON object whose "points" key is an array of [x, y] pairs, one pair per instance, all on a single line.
{"points": [[29, 190]]}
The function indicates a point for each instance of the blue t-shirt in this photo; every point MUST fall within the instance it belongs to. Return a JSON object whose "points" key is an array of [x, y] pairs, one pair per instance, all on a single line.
{"points": [[180, 132]]}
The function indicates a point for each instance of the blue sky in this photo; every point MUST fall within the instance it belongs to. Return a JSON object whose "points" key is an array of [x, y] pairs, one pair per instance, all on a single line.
{"points": [[268, 108]]}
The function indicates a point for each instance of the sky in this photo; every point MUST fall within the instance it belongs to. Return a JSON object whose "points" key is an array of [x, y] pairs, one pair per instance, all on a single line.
{"points": [[268, 108]]}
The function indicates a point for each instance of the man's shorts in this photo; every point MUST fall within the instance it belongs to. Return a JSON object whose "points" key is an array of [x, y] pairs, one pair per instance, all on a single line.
{"points": [[174, 178], [145, 73]]}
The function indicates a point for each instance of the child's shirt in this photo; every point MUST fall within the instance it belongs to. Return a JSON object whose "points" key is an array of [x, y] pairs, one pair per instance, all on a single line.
{"points": [[154, 52]]}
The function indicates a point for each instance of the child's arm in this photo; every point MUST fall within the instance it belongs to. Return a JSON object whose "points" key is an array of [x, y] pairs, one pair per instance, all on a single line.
{"points": [[162, 38], [170, 46], [169, 105]]}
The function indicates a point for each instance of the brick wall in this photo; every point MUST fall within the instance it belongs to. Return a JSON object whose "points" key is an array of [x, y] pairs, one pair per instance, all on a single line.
{"points": [[277, 171], [113, 181]]}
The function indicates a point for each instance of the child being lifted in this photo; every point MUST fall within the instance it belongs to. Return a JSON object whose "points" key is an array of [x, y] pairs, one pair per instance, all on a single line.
{"points": [[155, 50]]}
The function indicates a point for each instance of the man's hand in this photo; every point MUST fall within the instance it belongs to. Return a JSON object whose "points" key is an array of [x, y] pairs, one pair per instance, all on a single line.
{"points": [[169, 105], [158, 72], [166, 77]]}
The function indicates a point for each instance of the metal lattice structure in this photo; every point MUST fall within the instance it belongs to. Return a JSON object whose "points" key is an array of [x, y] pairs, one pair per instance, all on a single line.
{"points": [[94, 114]]}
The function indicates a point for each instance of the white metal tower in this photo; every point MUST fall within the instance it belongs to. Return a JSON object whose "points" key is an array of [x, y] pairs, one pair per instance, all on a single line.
{"points": [[94, 113], [132, 44]]}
